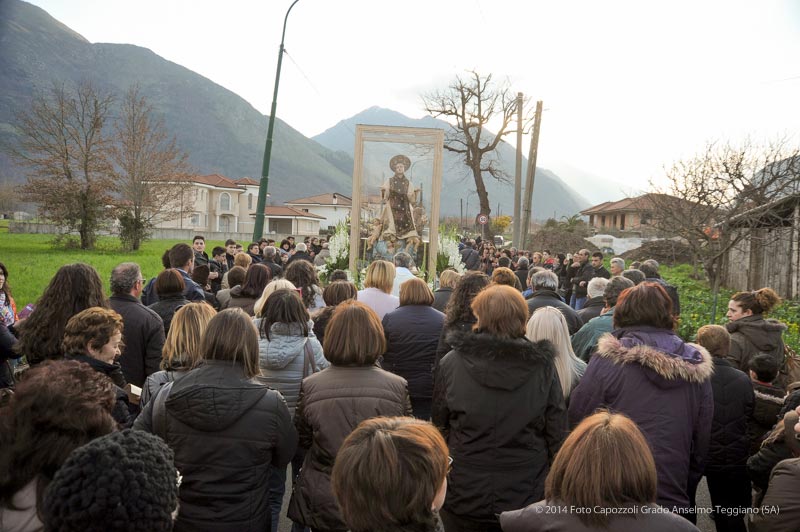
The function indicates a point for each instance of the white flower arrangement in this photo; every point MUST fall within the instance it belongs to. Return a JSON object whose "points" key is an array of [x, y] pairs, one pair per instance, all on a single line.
{"points": [[448, 246], [339, 249]]}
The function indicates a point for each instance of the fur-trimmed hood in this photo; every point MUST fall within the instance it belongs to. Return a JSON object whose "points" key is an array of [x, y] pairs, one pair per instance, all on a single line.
{"points": [[659, 350], [501, 363]]}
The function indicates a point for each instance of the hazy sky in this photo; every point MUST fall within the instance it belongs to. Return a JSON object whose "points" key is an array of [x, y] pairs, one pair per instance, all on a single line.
{"points": [[628, 86]]}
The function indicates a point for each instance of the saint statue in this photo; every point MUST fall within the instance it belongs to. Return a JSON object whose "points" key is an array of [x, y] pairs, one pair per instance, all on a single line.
{"points": [[399, 199]]}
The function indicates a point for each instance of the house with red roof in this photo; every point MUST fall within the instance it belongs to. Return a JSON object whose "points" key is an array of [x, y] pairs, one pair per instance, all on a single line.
{"points": [[332, 207], [225, 205]]}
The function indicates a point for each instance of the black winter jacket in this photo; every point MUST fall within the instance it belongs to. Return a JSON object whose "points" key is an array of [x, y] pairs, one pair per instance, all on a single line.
{"points": [[226, 432], [549, 298], [499, 404], [444, 346], [143, 334], [166, 307], [412, 336], [591, 309], [124, 412], [441, 297], [733, 408], [769, 402]]}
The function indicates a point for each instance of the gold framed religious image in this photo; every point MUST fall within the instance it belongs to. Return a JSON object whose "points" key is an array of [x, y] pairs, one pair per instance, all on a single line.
{"points": [[397, 179]]}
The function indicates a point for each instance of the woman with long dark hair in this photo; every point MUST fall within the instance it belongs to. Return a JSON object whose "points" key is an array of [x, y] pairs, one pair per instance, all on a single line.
{"points": [[498, 401], [302, 274], [226, 429], [246, 295], [288, 353], [169, 287], [458, 313], [74, 287]]}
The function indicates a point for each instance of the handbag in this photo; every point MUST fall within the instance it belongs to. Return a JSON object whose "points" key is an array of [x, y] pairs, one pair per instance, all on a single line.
{"points": [[309, 364]]}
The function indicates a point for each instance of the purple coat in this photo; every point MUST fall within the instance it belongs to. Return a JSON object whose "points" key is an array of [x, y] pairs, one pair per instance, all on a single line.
{"points": [[664, 385]]}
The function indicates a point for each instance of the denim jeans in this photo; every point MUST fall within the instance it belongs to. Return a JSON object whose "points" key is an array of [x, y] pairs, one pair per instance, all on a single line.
{"points": [[577, 302]]}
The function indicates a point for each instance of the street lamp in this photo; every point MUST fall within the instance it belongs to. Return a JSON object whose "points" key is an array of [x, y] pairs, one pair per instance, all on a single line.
{"points": [[258, 229]]}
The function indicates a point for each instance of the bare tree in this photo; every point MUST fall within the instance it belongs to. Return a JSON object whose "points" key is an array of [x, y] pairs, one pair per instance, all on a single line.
{"points": [[152, 172], [472, 102], [63, 146], [721, 196]]}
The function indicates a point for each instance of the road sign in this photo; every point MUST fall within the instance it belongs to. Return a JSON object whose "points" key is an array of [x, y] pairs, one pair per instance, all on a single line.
{"points": [[483, 219]]}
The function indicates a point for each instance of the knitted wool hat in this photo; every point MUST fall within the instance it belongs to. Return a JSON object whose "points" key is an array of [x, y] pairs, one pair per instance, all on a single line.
{"points": [[124, 481]]}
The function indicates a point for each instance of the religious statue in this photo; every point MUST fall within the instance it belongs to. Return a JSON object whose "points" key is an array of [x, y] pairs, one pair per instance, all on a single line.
{"points": [[401, 211]]}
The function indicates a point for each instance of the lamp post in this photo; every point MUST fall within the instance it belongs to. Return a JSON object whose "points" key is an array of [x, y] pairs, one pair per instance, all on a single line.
{"points": [[258, 229]]}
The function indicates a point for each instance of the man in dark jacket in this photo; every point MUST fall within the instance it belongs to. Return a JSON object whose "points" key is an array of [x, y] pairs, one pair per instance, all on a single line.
{"points": [[182, 259], [300, 253], [594, 302], [470, 257], [143, 330], [544, 285], [581, 274], [650, 270], [217, 265], [584, 342], [726, 470], [522, 272], [270, 258]]}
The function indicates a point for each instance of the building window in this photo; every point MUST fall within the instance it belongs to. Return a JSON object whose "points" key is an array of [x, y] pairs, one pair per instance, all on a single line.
{"points": [[305, 210], [250, 201], [195, 219], [225, 201], [645, 218]]}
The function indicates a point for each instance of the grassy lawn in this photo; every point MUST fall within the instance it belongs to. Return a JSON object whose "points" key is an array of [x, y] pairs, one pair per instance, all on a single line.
{"points": [[32, 261]]}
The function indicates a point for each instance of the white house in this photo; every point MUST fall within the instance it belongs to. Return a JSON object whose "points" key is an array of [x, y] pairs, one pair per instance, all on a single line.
{"points": [[332, 207]]}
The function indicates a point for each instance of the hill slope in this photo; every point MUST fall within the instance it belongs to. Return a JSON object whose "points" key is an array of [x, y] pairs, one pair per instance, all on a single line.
{"points": [[552, 197], [221, 131]]}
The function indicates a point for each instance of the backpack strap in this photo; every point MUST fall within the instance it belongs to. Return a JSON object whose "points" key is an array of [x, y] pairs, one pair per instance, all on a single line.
{"points": [[309, 364], [160, 411]]}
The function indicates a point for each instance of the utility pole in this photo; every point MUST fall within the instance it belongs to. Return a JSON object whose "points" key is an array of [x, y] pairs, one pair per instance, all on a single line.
{"points": [[516, 229], [537, 122], [462, 215], [258, 228]]}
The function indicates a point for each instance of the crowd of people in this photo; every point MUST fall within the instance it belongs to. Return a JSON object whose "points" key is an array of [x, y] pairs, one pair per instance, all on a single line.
{"points": [[536, 391]]}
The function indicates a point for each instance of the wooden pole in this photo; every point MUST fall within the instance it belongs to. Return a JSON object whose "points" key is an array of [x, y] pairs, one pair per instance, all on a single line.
{"points": [[516, 230], [532, 154]]}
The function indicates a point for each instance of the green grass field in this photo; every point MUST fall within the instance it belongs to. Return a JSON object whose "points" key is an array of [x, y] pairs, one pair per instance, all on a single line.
{"points": [[32, 260]]}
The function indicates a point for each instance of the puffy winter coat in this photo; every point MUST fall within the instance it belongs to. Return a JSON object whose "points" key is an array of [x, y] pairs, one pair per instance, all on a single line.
{"points": [[768, 405], [226, 432], [753, 335], [332, 403], [733, 410], [412, 335], [664, 385], [500, 406], [282, 358]]}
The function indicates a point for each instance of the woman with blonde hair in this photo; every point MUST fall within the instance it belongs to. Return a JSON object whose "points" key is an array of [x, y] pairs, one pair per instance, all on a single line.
{"points": [[272, 286], [548, 323], [181, 351], [377, 292], [448, 280], [498, 401], [412, 335], [605, 464]]}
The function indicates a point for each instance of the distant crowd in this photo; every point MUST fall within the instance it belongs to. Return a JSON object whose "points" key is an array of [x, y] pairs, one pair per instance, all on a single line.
{"points": [[535, 391]]}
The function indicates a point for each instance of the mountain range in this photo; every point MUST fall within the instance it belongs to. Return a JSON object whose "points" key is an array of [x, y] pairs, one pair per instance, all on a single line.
{"points": [[220, 131]]}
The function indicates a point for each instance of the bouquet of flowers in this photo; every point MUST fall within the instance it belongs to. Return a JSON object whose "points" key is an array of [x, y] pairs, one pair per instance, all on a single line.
{"points": [[339, 248], [448, 255]]}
